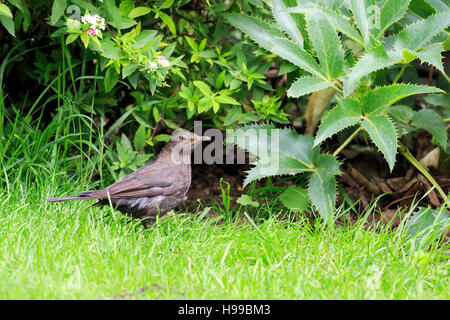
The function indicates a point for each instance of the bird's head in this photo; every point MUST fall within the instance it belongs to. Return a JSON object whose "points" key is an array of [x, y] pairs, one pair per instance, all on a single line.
{"points": [[187, 138]]}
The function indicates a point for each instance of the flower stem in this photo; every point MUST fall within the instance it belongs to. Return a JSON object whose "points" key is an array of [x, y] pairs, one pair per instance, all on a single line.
{"points": [[404, 151], [346, 142], [400, 73]]}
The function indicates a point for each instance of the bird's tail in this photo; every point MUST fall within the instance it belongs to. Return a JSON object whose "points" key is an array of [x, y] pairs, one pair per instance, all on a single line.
{"points": [[84, 195]]}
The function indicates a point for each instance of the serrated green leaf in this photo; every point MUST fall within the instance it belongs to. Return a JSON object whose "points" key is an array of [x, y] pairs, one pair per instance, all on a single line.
{"points": [[293, 53], [279, 151], [347, 113], [433, 122], [307, 84], [375, 59], [431, 55], [416, 35], [378, 99], [286, 22], [382, 132], [402, 113], [326, 43], [260, 31], [359, 9], [343, 25], [392, 11], [138, 12], [439, 5], [111, 78], [295, 198], [322, 185]]}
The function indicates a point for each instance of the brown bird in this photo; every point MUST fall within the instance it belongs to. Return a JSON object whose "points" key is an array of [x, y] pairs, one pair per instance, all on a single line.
{"points": [[155, 188]]}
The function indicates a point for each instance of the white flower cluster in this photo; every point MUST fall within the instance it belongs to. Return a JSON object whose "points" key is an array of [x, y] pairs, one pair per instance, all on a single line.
{"points": [[96, 22], [152, 66]]}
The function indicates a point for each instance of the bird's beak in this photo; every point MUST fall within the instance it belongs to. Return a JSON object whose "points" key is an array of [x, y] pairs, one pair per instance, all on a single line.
{"points": [[205, 138]]}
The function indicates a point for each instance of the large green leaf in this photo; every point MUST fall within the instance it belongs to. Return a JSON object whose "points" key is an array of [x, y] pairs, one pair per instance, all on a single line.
{"points": [[260, 31], [5, 11], [307, 84], [416, 35], [338, 21], [322, 185], [431, 55], [439, 5], [111, 78], [326, 43], [295, 198], [425, 222], [347, 113], [113, 13], [286, 22], [8, 23], [360, 11], [293, 53], [392, 11], [378, 99], [272, 39], [279, 151], [382, 132], [58, 8], [433, 122], [375, 59]]}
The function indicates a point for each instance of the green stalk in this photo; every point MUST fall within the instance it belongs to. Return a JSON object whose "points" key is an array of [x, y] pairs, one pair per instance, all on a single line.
{"points": [[404, 151], [400, 73], [346, 142]]}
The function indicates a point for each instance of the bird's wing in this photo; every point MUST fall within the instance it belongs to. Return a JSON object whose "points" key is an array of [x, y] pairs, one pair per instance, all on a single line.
{"points": [[149, 181]]}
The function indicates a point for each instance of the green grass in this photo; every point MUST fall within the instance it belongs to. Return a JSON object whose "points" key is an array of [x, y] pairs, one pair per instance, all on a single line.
{"points": [[73, 251]]}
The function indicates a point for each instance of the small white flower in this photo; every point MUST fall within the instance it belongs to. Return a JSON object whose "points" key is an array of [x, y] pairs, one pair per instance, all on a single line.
{"points": [[89, 18], [163, 61], [95, 21], [152, 66]]}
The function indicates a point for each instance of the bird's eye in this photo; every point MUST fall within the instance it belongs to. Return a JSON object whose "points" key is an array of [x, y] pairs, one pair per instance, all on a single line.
{"points": [[181, 138]]}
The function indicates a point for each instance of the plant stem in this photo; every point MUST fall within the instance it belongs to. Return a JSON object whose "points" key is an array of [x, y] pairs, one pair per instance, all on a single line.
{"points": [[346, 142], [407, 154], [400, 73]]}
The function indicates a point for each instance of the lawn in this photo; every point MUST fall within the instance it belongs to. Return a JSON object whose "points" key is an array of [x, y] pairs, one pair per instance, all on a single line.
{"points": [[75, 251]]}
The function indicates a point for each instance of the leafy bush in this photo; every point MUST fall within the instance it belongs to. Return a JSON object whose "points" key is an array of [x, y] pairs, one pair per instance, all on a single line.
{"points": [[323, 39], [136, 68]]}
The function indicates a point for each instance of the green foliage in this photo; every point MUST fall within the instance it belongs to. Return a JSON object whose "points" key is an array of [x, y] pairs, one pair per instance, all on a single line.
{"points": [[379, 37], [284, 152]]}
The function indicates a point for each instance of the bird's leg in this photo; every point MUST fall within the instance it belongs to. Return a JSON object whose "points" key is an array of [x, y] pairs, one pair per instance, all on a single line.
{"points": [[148, 222]]}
